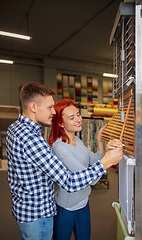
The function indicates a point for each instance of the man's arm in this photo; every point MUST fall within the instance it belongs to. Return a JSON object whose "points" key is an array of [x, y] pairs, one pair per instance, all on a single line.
{"points": [[42, 157]]}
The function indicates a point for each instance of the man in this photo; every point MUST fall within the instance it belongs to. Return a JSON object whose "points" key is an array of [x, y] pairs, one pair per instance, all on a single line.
{"points": [[32, 167]]}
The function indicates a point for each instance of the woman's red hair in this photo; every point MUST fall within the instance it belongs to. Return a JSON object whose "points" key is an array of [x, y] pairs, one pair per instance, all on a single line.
{"points": [[56, 130]]}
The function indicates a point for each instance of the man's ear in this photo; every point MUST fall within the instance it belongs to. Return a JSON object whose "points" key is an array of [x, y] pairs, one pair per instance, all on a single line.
{"points": [[32, 107]]}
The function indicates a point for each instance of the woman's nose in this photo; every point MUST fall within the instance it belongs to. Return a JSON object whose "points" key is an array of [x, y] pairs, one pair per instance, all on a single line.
{"points": [[78, 118]]}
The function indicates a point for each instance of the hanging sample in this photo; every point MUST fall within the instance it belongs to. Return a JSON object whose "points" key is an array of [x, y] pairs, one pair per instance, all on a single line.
{"points": [[78, 88], [124, 131], [89, 89], [105, 92], [90, 128], [65, 87], [71, 88], [83, 89], [95, 90], [59, 85]]}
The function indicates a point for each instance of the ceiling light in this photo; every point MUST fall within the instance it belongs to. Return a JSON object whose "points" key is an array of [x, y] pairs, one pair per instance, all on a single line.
{"points": [[6, 61], [8, 34], [110, 75]]}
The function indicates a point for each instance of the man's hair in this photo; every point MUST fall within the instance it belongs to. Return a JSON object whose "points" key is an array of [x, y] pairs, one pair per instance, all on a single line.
{"points": [[31, 90]]}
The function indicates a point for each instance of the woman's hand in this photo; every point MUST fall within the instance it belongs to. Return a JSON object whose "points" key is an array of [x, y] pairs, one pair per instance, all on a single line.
{"points": [[115, 143], [100, 144], [100, 132]]}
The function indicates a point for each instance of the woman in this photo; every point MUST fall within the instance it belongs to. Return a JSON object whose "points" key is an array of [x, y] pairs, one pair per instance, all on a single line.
{"points": [[73, 212]]}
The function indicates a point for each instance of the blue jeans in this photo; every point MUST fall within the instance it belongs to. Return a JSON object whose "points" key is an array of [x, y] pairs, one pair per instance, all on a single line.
{"points": [[41, 229], [67, 221]]}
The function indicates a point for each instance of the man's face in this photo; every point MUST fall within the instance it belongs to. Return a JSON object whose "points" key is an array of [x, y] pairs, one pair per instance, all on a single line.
{"points": [[44, 110]]}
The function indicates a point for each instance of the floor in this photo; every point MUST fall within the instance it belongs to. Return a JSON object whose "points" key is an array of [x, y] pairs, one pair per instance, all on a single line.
{"points": [[103, 217]]}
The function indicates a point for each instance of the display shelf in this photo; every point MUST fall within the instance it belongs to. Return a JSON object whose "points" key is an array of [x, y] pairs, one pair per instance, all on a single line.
{"points": [[97, 110], [79, 88], [8, 114]]}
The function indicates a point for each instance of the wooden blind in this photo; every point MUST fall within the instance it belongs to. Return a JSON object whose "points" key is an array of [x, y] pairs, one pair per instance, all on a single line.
{"points": [[124, 131]]}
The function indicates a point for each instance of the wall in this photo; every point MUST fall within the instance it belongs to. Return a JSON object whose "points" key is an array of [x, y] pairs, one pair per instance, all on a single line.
{"points": [[14, 76], [21, 72]]}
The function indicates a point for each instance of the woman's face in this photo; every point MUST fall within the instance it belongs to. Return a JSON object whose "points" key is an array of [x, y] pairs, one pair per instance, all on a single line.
{"points": [[72, 120]]}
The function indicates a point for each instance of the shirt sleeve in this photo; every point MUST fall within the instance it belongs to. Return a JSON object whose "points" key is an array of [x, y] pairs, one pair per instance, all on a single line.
{"points": [[38, 152], [93, 158]]}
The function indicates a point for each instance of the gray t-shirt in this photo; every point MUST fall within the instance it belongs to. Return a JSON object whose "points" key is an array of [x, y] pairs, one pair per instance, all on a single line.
{"points": [[75, 158]]}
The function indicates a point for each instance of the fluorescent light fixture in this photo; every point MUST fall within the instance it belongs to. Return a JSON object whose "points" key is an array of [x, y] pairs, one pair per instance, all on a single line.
{"points": [[8, 34], [6, 61], [110, 75]]}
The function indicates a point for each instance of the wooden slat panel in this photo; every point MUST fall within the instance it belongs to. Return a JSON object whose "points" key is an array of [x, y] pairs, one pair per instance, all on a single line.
{"points": [[115, 127]]}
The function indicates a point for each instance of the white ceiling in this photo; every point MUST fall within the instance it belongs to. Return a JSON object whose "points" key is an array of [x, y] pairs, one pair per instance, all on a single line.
{"points": [[66, 29]]}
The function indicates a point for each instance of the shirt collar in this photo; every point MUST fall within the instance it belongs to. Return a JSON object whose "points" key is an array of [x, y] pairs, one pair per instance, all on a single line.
{"points": [[28, 121]]}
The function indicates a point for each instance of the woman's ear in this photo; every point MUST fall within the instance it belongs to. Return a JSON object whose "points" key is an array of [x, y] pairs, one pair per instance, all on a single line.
{"points": [[61, 125]]}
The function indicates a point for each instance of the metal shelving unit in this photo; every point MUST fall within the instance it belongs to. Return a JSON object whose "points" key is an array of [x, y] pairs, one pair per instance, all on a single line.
{"points": [[126, 39]]}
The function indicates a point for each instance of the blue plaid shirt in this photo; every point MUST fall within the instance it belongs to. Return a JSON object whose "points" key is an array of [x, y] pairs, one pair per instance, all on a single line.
{"points": [[32, 170]]}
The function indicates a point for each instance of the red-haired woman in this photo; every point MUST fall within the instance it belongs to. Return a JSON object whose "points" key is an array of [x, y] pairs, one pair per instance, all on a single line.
{"points": [[73, 212]]}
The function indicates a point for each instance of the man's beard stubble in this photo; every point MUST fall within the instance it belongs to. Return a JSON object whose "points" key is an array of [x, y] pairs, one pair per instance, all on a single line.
{"points": [[44, 124]]}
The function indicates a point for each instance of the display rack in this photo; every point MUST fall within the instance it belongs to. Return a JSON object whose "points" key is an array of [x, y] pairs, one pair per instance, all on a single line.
{"points": [[78, 88], [126, 38], [8, 114]]}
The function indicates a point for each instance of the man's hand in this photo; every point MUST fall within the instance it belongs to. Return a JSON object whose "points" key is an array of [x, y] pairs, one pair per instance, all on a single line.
{"points": [[113, 155]]}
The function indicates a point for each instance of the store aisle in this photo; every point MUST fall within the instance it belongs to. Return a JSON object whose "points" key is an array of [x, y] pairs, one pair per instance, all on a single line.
{"points": [[8, 226], [103, 216]]}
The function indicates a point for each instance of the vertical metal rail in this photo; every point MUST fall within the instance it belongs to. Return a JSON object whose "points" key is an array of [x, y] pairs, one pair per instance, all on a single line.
{"points": [[122, 60], [113, 93], [138, 107], [116, 82]]}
